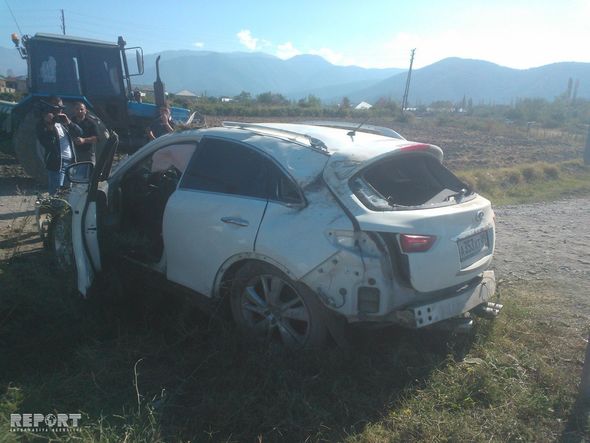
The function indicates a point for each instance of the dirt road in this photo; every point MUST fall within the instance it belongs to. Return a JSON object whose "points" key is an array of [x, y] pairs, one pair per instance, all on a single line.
{"points": [[544, 241]]}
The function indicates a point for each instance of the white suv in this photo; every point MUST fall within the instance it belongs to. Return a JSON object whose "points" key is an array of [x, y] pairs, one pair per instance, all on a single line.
{"points": [[296, 223]]}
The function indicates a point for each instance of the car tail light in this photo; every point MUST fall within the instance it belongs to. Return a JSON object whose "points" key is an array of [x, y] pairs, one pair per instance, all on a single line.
{"points": [[416, 243], [416, 147]]}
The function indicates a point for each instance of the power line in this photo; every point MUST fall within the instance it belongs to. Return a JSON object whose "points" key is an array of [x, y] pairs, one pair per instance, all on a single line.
{"points": [[13, 17]]}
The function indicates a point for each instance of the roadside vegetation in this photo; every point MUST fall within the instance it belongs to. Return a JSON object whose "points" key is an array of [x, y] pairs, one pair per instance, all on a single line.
{"points": [[527, 183]]}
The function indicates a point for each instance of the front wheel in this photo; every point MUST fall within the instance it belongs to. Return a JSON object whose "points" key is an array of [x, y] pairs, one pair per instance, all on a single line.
{"points": [[267, 304], [60, 243]]}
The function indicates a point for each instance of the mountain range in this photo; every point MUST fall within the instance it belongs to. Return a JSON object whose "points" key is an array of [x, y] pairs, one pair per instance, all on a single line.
{"points": [[228, 74]]}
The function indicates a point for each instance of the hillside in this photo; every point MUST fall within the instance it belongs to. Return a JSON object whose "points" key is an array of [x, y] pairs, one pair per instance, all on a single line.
{"points": [[10, 59], [453, 78], [216, 73], [228, 74]]}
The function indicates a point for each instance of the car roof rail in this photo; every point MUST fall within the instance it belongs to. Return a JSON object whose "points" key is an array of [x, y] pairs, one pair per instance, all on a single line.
{"points": [[357, 127], [303, 139]]}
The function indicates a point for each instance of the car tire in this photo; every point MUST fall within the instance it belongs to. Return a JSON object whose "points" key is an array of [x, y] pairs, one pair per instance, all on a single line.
{"points": [[59, 240], [60, 243], [266, 304]]}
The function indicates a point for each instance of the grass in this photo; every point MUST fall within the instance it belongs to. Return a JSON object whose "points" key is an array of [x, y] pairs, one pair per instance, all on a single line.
{"points": [[530, 182], [152, 369]]}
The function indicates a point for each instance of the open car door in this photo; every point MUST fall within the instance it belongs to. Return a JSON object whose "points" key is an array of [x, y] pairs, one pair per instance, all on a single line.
{"points": [[86, 204]]}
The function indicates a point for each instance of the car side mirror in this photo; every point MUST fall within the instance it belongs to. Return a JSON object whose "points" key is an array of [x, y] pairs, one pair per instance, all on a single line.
{"points": [[80, 172]]}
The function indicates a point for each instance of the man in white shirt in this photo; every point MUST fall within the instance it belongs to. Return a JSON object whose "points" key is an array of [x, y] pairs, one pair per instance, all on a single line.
{"points": [[55, 131]]}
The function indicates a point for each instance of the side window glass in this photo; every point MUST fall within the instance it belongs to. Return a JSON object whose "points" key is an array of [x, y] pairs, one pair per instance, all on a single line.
{"points": [[227, 167], [171, 160], [284, 190], [172, 156]]}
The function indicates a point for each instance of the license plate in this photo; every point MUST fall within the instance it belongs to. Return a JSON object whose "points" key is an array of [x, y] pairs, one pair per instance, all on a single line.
{"points": [[474, 245]]}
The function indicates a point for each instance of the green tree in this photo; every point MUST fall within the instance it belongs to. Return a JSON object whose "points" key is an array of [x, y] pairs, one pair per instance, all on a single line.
{"points": [[243, 97], [311, 101]]}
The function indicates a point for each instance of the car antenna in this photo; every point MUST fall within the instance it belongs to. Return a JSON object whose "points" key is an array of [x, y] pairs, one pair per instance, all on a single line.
{"points": [[352, 133]]}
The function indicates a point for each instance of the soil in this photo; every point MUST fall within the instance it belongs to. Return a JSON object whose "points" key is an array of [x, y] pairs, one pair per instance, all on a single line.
{"points": [[469, 146]]}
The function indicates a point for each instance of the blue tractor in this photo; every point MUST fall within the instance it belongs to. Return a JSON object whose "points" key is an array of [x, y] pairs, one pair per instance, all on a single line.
{"points": [[94, 72]]}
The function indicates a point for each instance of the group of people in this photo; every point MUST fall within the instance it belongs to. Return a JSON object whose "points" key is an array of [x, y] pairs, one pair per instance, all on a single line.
{"points": [[70, 139], [65, 140]]}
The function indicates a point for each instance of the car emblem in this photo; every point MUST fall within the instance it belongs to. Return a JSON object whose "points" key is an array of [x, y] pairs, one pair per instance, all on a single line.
{"points": [[479, 216]]}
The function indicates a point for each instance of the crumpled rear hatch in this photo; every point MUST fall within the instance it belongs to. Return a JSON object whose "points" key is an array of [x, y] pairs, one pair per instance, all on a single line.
{"points": [[440, 232]]}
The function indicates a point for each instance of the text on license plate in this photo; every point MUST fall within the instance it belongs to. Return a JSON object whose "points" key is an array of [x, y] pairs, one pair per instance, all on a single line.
{"points": [[473, 245]]}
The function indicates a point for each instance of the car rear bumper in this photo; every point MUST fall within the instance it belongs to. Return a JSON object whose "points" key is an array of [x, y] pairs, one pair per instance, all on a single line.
{"points": [[476, 293], [424, 314]]}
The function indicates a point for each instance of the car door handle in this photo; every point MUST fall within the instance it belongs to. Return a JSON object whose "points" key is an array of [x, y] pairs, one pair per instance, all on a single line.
{"points": [[235, 221]]}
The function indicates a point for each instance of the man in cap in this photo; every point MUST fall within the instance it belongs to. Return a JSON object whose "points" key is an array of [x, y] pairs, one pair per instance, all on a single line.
{"points": [[55, 131]]}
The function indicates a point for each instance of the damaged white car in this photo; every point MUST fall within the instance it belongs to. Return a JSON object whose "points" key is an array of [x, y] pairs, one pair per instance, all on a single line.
{"points": [[298, 224]]}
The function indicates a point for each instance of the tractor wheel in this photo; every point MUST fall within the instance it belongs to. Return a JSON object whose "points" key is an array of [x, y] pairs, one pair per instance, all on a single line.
{"points": [[29, 151]]}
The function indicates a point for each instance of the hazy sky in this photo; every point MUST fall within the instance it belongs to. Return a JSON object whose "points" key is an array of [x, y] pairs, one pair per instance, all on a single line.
{"points": [[514, 33]]}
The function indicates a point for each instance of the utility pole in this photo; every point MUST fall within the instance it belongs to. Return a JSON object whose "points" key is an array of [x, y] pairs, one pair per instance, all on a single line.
{"points": [[407, 90], [587, 162], [63, 22]]}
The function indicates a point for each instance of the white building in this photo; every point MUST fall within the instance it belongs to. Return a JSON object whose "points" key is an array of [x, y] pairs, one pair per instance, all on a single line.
{"points": [[363, 105]]}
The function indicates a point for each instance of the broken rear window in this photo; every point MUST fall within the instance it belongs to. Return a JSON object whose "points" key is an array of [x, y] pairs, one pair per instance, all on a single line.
{"points": [[408, 181]]}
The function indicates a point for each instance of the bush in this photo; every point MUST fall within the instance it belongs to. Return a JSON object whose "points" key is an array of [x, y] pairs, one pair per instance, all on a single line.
{"points": [[551, 172], [531, 173], [485, 182], [512, 177]]}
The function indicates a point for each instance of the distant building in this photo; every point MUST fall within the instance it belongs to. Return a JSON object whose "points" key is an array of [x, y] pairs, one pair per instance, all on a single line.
{"points": [[185, 93], [363, 105], [226, 99], [13, 84]]}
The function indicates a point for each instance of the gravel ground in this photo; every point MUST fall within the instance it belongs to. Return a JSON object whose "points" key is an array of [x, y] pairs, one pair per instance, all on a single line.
{"points": [[544, 241]]}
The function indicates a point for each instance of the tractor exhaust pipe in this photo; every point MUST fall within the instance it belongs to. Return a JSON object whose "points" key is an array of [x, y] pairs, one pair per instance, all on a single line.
{"points": [[159, 93]]}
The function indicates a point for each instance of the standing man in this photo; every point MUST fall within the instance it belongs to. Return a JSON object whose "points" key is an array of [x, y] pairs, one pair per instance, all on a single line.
{"points": [[54, 132], [85, 144], [162, 125]]}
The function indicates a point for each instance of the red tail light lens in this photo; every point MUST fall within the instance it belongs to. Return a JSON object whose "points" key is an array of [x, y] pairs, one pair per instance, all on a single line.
{"points": [[416, 243], [416, 147]]}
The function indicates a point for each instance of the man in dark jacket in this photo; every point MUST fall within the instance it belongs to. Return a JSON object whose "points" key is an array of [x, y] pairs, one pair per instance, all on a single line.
{"points": [[86, 143], [55, 131]]}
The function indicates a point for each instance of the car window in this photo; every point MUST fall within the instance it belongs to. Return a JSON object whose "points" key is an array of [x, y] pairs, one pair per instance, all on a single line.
{"points": [[176, 156], [227, 167], [285, 190], [170, 157]]}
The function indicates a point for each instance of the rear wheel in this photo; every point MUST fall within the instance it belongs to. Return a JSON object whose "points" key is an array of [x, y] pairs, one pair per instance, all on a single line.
{"points": [[267, 304]]}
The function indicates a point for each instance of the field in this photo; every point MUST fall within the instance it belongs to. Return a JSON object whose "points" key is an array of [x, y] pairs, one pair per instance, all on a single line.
{"points": [[151, 367]]}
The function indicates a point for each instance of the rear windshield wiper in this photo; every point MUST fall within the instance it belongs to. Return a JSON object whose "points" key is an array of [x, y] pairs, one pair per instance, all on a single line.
{"points": [[459, 195]]}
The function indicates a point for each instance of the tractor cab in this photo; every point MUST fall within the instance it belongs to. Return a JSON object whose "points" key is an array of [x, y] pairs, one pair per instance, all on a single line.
{"points": [[94, 72], [90, 70]]}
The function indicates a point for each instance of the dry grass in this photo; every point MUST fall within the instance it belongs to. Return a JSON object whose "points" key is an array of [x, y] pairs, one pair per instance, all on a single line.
{"points": [[530, 182]]}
